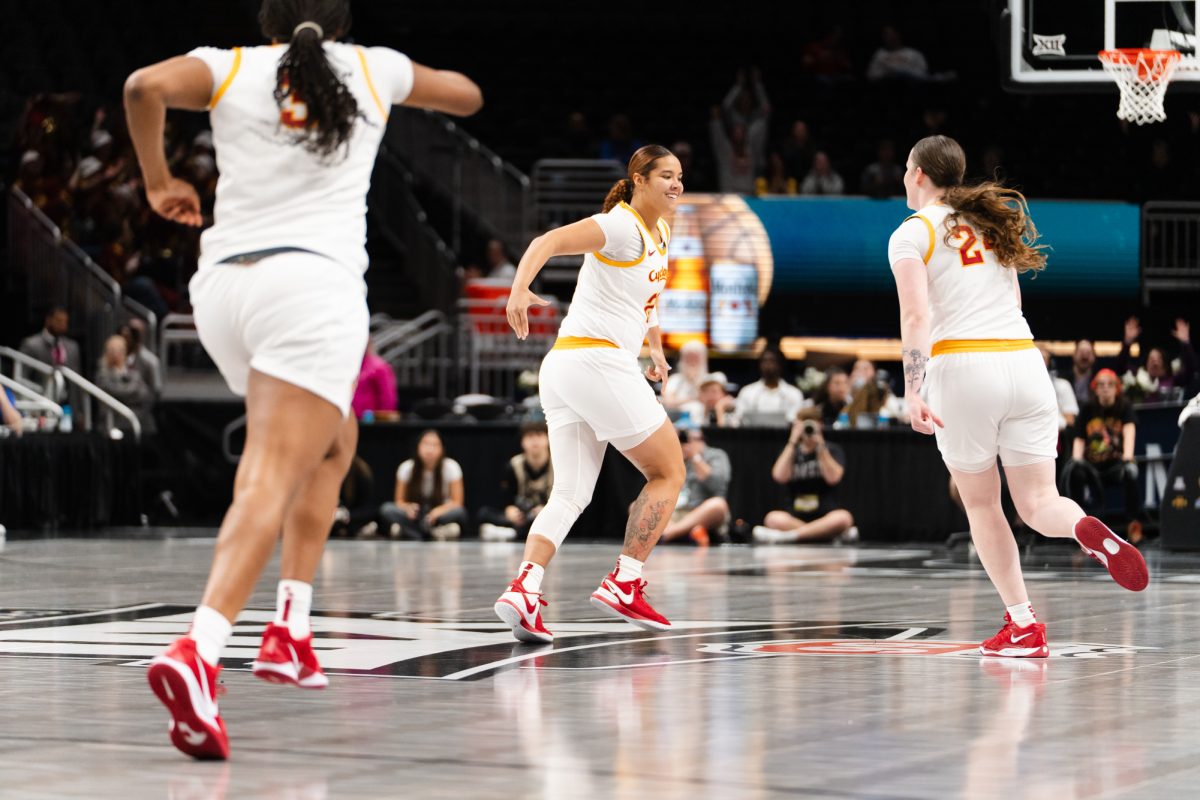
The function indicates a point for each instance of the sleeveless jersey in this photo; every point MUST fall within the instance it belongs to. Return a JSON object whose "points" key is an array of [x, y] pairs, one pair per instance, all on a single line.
{"points": [[971, 294], [616, 298], [272, 192]]}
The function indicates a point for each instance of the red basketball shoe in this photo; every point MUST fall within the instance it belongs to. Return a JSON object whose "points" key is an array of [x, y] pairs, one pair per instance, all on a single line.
{"points": [[282, 659], [522, 611], [1122, 559], [187, 686], [1013, 641], [627, 599]]}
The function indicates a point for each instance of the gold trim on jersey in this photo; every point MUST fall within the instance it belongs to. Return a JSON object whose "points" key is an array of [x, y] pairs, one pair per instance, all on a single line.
{"points": [[362, 57], [580, 343], [623, 264], [947, 346], [662, 248], [665, 229], [932, 236], [237, 63]]}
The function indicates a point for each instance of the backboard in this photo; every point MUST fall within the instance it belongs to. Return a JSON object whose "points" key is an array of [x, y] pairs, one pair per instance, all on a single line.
{"points": [[1052, 44]]}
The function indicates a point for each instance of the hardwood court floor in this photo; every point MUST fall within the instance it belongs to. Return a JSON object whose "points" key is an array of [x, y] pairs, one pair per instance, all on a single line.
{"points": [[791, 672]]}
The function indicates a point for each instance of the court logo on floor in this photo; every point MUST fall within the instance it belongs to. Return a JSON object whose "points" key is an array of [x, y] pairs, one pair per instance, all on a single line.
{"points": [[901, 647]]}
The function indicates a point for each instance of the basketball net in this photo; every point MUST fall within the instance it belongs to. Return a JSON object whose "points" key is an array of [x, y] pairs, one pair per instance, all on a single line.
{"points": [[1142, 77]]}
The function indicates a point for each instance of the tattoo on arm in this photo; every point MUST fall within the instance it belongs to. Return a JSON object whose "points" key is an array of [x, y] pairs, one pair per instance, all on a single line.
{"points": [[645, 524], [914, 369]]}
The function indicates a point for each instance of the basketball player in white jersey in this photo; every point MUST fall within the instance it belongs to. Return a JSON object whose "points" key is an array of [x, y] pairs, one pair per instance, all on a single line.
{"points": [[280, 305], [974, 378], [593, 392]]}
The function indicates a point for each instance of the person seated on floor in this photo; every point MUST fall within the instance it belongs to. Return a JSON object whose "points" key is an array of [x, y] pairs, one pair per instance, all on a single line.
{"points": [[429, 494], [527, 482], [355, 515], [812, 469], [702, 511], [1102, 453]]}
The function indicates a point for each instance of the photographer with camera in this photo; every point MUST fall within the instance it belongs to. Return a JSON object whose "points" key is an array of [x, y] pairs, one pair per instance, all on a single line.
{"points": [[812, 469]]}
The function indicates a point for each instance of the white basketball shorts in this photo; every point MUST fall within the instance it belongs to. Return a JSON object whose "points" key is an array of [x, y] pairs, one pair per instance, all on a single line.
{"points": [[993, 404], [604, 388], [295, 316]]}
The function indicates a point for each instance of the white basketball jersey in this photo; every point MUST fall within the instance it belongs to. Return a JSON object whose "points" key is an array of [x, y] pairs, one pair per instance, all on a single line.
{"points": [[616, 298], [273, 192], [971, 294]]}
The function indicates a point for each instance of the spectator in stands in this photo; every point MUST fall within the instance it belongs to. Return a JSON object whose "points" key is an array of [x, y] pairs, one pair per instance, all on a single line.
{"points": [[822, 179], [812, 469], [826, 59], [1068, 405], [1083, 368], [47, 191], [715, 406], [1157, 380], [797, 150], [52, 345], [1102, 453], [695, 177], [356, 509], [702, 510], [499, 264], [684, 384], [576, 140], [142, 360], [770, 400], [376, 388], [115, 376], [746, 101], [621, 144], [869, 395], [429, 494], [884, 177], [894, 61], [527, 483], [9, 415], [831, 399], [734, 149], [776, 181]]}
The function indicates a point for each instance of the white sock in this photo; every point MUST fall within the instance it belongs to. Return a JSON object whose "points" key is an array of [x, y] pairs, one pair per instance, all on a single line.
{"points": [[1022, 614], [210, 631], [530, 575], [293, 602], [628, 569]]}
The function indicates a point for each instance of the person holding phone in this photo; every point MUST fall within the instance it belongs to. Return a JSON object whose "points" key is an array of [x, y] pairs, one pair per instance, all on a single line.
{"points": [[811, 468]]}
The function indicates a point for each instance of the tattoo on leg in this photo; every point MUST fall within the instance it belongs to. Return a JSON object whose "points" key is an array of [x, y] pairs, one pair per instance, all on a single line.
{"points": [[914, 368], [644, 519]]}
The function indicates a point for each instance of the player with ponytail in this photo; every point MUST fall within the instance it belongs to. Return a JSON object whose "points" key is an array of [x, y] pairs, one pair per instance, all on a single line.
{"points": [[279, 304], [974, 378], [593, 391]]}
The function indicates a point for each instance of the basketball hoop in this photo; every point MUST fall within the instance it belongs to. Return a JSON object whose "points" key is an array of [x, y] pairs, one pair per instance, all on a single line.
{"points": [[1142, 77]]}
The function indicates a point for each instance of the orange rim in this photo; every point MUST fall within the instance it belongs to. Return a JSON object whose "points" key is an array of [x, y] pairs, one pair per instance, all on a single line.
{"points": [[1152, 65]]}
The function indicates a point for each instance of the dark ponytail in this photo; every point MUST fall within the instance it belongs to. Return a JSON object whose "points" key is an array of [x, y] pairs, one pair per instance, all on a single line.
{"points": [[305, 74], [640, 163]]}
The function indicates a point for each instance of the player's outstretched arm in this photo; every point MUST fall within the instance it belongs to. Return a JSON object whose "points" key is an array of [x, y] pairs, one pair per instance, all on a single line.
{"points": [[445, 91], [585, 236], [181, 82]]}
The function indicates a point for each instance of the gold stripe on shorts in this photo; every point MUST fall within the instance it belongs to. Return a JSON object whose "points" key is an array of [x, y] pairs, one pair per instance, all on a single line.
{"points": [[580, 342], [947, 346]]}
